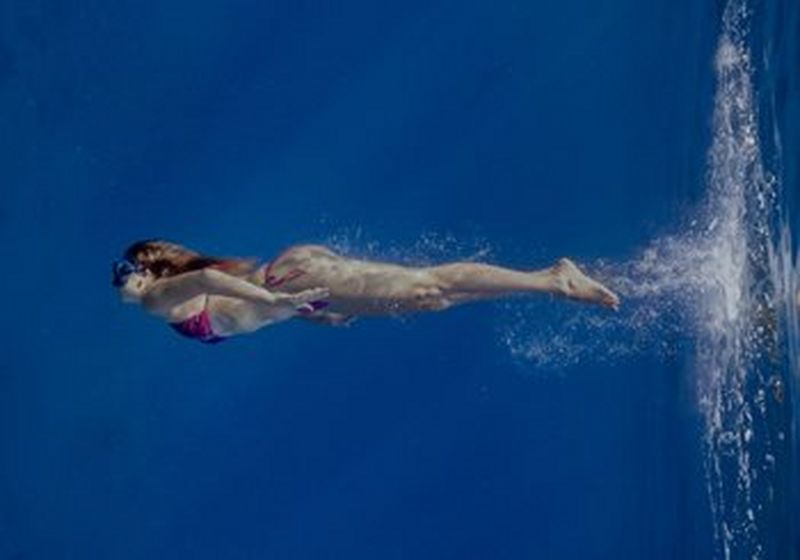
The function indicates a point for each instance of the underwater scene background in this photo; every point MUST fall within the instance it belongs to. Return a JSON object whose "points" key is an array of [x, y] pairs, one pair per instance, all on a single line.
{"points": [[656, 143]]}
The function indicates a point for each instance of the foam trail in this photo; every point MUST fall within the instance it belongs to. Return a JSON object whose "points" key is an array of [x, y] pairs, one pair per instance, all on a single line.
{"points": [[663, 290], [429, 248]]}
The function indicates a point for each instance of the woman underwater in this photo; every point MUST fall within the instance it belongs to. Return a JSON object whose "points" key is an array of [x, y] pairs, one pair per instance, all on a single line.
{"points": [[210, 298]]}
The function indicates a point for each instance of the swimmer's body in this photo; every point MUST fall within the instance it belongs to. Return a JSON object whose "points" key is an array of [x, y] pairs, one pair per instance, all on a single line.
{"points": [[210, 298]]}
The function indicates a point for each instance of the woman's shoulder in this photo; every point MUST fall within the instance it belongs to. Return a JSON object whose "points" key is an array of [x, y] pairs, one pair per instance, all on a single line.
{"points": [[174, 313]]}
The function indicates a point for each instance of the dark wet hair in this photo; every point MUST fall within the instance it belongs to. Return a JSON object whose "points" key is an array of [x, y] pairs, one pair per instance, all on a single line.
{"points": [[164, 258]]}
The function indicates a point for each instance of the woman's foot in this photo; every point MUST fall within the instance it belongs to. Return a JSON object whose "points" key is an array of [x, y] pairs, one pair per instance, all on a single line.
{"points": [[574, 284]]}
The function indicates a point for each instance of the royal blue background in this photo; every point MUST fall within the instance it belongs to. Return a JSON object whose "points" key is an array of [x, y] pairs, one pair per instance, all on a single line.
{"points": [[550, 128]]}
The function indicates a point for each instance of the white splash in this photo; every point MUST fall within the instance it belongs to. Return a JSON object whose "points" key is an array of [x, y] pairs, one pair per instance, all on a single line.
{"points": [[725, 287], [735, 317]]}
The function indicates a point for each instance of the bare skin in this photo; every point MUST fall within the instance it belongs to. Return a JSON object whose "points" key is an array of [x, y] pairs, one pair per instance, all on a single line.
{"points": [[351, 288]]}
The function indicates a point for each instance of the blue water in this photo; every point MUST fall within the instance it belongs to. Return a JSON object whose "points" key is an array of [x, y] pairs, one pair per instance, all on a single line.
{"points": [[654, 142]]}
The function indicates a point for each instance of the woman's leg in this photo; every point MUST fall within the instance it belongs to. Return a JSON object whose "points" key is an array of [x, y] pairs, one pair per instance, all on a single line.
{"points": [[367, 288], [471, 281]]}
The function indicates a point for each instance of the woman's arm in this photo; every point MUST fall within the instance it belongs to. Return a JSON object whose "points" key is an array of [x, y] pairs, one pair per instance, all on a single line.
{"points": [[169, 292]]}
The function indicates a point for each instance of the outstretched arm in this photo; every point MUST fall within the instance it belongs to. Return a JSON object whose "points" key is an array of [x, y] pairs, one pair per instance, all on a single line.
{"points": [[169, 292]]}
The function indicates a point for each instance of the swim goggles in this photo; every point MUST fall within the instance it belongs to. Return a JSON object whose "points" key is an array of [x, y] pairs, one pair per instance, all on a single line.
{"points": [[121, 269]]}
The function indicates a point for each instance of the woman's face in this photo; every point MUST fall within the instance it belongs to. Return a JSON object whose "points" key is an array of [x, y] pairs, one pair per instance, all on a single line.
{"points": [[135, 285], [131, 281]]}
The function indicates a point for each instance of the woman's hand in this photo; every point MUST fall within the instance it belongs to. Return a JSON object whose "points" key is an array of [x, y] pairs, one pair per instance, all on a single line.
{"points": [[300, 299]]}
